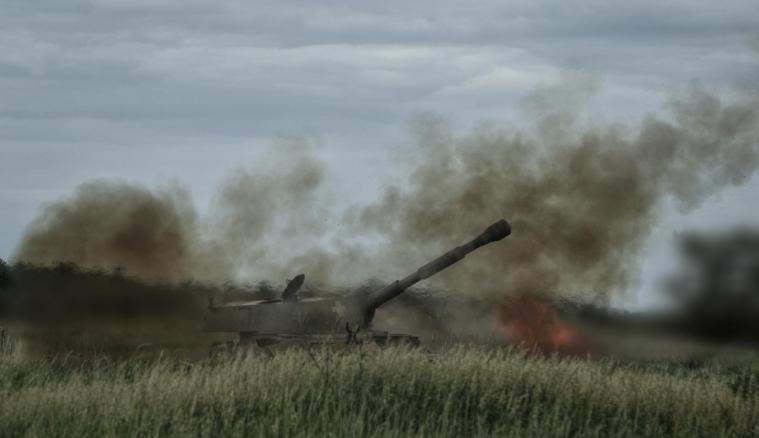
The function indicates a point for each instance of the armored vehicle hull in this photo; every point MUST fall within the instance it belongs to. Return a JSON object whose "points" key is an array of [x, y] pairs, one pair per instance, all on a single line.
{"points": [[344, 320]]}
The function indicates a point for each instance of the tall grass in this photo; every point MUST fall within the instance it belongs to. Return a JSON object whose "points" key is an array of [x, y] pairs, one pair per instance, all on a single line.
{"points": [[467, 391]]}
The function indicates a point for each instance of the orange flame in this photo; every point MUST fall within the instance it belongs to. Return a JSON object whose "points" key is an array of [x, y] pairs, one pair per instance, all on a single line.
{"points": [[534, 322]]}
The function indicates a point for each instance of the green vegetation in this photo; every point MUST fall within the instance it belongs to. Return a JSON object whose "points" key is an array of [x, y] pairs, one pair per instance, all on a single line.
{"points": [[468, 391]]}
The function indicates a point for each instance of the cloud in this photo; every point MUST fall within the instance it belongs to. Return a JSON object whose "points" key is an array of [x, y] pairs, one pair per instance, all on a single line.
{"points": [[153, 90]]}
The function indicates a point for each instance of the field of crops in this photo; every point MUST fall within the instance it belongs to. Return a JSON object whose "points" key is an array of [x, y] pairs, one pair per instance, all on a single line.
{"points": [[467, 391]]}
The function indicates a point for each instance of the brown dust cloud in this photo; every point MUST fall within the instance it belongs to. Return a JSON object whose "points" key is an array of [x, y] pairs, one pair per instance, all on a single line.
{"points": [[581, 198]]}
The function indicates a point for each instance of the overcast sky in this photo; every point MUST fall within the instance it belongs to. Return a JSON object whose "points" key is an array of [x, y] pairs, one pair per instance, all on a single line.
{"points": [[152, 91]]}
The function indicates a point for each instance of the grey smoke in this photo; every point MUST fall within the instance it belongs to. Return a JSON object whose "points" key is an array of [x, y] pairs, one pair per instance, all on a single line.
{"points": [[581, 198]]}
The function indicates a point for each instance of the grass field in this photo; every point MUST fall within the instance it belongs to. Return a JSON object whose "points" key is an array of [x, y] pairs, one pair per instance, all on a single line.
{"points": [[468, 391]]}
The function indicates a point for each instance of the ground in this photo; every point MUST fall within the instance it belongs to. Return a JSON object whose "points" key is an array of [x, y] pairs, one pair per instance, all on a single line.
{"points": [[459, 391]]}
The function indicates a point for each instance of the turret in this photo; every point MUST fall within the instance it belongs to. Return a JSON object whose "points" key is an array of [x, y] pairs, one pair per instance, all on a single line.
{"points": [[291, 316]]}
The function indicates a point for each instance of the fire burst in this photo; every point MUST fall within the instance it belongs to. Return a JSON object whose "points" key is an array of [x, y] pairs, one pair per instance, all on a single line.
{"points": [[534, 322]]}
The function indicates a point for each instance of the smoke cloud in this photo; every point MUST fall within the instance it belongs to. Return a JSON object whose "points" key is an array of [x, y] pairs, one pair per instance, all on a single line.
{"points": [[581, 201], [115, 225], [716, 292], [581, 198], [264, 218], [261, 219]]}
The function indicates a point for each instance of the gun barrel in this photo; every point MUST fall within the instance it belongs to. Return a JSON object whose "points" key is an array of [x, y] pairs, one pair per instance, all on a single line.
{"points": [[493, 233]]}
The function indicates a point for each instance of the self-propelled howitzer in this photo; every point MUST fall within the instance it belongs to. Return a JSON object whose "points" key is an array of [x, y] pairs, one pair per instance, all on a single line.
{"points": [[324, 320]]}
